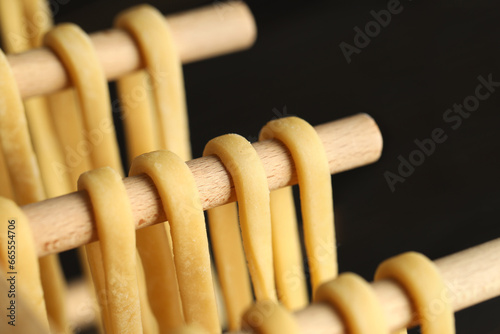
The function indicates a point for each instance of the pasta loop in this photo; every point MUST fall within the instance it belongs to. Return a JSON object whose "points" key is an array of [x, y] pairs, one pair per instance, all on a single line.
{"points": [[313, 175], [420, 278], [356, 302], [183, 209], [252, 191]]}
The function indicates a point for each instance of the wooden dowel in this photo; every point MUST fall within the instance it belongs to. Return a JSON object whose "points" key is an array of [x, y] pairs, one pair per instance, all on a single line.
{"points": [[199, 34], [472, 276], [66, 222]]}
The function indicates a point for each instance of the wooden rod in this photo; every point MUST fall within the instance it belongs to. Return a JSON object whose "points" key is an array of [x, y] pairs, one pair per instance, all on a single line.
{"points": [[67, 222], [202, 33], [472, 277]]}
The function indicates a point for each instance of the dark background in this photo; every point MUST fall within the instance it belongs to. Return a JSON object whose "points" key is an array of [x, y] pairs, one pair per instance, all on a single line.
{"points": [[424, 61]]}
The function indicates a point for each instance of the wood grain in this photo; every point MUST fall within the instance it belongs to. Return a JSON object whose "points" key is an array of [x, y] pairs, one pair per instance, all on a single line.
{"points": [[199, 34], [67, 222]]}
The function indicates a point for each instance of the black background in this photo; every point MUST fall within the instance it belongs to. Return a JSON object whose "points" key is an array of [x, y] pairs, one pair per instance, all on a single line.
{"points": [[424, 61]]}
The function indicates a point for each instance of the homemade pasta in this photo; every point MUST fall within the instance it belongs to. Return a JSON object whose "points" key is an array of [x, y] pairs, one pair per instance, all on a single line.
{"points": [[268, 317], [181, 202], [27, 184], [23, 271], [118, 286], [420, 278], [148, 27], [356, 302], [250, 182], [144, 94], [313, 174]]}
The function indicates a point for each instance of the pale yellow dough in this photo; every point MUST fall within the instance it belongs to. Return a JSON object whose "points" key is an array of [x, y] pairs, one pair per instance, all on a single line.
{"points": [[230, 261], [356, 303], [116, 231], [250, 182], [77, 53], [16, 142], [27, 184], [25, 269], [24, 23], [152, 33], [143, 95], [183, 209], [268, 317], [420, 278], [313, 174], [73, 46]]}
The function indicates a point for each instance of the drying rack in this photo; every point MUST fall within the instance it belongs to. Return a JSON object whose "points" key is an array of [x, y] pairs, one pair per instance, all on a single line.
{"points": [[66, 222]]}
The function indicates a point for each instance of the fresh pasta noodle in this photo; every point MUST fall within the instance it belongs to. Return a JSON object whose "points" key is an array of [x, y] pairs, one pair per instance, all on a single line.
{"points": [[421, 280], [16, 143], [267, 317], [143, 95], [27, 185], [116, 231], [5, 187], [148, 26], [313, 174], [287, 250], [188, 329], [230, 261], [184, 211], [76, 52], [356, 302], [23, 33], [15, 231], [250, 181], [33, 326], [73, 46]]}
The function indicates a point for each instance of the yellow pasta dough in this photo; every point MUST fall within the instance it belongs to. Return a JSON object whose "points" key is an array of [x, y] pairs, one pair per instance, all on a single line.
{"points": [[188, 329], [75, 50], [148, 27], [268, 317], [420, 278], [23, 33], [144, 134], [313, 175], [250, 182], [15, 140], [26, 180], [230, 260], [19, 266], [183, 209], [356, 302], [116, 231], [33, 326]]}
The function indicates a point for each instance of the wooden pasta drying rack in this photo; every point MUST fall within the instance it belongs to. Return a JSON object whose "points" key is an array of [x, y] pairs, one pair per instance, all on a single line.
{"points": [[66, 222]]}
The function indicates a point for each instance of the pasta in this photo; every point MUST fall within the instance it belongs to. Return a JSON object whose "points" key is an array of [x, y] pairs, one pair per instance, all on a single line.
{"points": [[230, 260], [76, 51], [287, 250], [143, 95], [355, 300], [147, 26], [420, 278], [250, 181], [190, 245], [116, 230], [74, 48], [16, 17], [313, 174], [27, 185], [26, 280], [267, 317]]}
